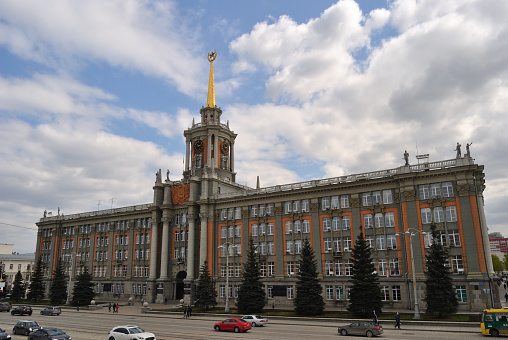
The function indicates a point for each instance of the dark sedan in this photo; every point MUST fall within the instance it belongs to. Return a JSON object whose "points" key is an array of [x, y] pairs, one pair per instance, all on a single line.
{"points": [[25, 327], [49, 334], [361, 328], [51, 311], [22, 310]]}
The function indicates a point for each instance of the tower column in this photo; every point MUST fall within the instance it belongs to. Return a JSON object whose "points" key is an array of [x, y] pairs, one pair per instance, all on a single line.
{"points": [[153, 250], [232, 156], [216, 151], [192, 248], [165, 246], [187, 153], [203, 242], [209, 152]]}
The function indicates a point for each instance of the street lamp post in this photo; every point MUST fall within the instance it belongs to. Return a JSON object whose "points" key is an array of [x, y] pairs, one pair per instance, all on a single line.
{"points": [[411, 234], [225, 247]]}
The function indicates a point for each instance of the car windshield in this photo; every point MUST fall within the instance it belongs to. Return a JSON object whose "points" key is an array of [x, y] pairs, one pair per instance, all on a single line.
{"points": [[55, 331], [135, 330], [32, 324], [257, 316]]}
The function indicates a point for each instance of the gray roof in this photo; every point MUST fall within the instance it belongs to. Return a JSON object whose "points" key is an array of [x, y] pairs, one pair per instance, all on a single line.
{"points": [[14, 257]]}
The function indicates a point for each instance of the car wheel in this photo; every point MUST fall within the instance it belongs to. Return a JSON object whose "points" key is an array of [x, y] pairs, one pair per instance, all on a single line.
{"points": [[237, 330], [494, 332], [111, 338], [29, 314], [369, 334], [42, 313], [27, 332], [253, 324], [217, 328], [343, 332], [12, 313]]}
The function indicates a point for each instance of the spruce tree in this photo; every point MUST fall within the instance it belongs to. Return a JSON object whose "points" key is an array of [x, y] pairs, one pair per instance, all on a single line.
{"points": [[439, 292], [251, 294], [82, 292], [18, 288], [365, 294], [36, 291], [58, 287], [308, 299], [205, 294]]}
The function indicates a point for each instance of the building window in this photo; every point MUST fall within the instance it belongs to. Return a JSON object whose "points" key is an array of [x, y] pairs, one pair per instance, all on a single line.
{"points": [[386, 293], [306, 226], [238, 213], [347, 268], [305, 206], [457, 265], [339, 293], [394, 267], [326, 224], [389, 219], [447, 189], [338, 269], [438, 214], [435, 190], [451, 214], [271, 248], [367, 221], [329, 292], [290, 292], [325, 203], [344, 201], [387, 197], [289, 227], [254, 211], [269, 228], [423, 192], [382, 268], [223, 232], [396, 293], [328, 268], [222, 290], [454, 238], [334, 202], [298, 246], [380, 242], [346, 223], [271, 268], [366, 199], [296, 206], [391, 242], [287, 208], [426, 215], [347, 243], [378, 220], [461, 293], [270, 292], [370, 241]]}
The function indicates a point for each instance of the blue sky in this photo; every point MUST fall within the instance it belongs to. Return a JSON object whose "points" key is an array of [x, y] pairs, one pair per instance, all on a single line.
{"points": [[95, 95]]}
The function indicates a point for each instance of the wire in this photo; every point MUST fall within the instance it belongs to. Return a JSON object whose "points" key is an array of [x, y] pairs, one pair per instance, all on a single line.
{"points": [[18, 226]]}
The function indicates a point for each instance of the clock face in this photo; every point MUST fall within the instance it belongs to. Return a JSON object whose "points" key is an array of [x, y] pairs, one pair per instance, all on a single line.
{"points": [[224, 148], [198, 146]]}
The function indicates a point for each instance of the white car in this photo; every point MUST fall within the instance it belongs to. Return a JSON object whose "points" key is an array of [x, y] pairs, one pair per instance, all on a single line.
{"points": [[255, 320], [129, 332]]}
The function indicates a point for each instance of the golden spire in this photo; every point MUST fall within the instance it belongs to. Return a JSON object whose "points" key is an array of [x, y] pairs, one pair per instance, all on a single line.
{"points": [[210, 100]]}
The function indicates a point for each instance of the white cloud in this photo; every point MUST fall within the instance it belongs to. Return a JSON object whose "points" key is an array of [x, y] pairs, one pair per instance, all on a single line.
{"points": [[147, 37]]}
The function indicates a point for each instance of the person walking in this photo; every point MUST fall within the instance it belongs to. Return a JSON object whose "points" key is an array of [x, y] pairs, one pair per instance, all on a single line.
{"points": [[109, 307], [114, 307], [77, 307], [374, 319], [397, 320], [506, 296], [117, 307]]}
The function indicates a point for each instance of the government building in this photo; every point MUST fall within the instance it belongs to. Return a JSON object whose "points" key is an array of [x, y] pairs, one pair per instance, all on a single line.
{"points": [[154, 251]]}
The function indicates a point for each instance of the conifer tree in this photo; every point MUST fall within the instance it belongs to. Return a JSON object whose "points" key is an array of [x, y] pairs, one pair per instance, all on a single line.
{"points": [[36, 291], [308, 299], [365, 294], [439, 292], [18, 288], [58, 288], [206, 295], [251, 294], [83, 292]]}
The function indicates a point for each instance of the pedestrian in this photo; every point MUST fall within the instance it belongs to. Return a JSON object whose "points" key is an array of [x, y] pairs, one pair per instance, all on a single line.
{"points": [[165, 301], [142, 301], [504, 285], [117, 307], [184, 312], [374, 319], [273, 305], [397, 320], [506, 296], [77, 306], [109, 307], [190, 311], [114, 307]]}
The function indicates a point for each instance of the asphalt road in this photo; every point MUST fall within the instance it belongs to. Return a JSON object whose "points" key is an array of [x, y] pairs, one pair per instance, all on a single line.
{"points": [[92, 325]]}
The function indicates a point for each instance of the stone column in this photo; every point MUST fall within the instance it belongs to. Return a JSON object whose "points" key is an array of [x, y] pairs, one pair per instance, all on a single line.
{"points": [[232, 156], [216, 151], [187, 153], [165, 246], [203, 242], [209, 151], [153, 249], [191, 248]]}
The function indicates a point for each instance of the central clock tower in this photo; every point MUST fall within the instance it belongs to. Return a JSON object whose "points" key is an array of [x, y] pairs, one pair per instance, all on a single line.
{"points": [[210, 143]]}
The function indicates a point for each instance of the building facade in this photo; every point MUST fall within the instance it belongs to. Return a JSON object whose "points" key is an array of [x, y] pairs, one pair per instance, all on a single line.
{"points": [[11, 263], [155, 251]]}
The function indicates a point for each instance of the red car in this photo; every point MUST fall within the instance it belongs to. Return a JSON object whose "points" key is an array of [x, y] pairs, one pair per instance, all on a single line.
{"points": [[237, 325]]}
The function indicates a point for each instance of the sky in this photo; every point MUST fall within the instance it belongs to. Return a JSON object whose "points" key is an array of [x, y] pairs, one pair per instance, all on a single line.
{"points": [[95, 95]]}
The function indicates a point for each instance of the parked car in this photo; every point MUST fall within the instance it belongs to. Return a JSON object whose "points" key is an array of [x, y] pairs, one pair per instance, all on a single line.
{"points": [[51, 311], [125, 333], [25, 327], [234, 324], [255, 320], [4, 335], [22, 310], [49, 334], [5, 307], [361, 328]]}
